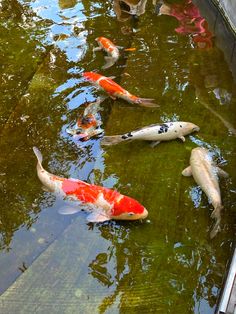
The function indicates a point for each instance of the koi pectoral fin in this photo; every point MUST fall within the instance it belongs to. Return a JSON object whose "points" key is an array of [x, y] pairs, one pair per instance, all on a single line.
{"points": [[154, 143], [97, 217], [182, 138], [68, 210], [70, 206], [187, 172]]}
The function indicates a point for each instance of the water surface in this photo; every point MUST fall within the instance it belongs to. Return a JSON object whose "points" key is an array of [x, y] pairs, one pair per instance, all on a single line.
{"points": [[167, 261]]}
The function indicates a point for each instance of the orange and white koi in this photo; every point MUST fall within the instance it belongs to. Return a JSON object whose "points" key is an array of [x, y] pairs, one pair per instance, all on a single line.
{"points": [[88, 125], [116, 91], [104, 204], [112, 51]]}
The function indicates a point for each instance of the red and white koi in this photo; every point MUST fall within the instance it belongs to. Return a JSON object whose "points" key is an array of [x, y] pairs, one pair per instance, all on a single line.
{"points": [[116, 91], [104, 203], [112, 51], [155, 132]]}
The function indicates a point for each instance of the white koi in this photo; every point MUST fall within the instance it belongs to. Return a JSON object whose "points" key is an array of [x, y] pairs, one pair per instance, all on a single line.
{"points": [[206, 174]]}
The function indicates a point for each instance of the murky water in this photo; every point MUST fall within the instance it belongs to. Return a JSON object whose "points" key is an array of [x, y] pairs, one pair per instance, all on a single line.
{"points": [[167, 261]]}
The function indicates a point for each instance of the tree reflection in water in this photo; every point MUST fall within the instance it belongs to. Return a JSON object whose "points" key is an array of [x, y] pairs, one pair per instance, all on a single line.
{"points": [[160, 275]]}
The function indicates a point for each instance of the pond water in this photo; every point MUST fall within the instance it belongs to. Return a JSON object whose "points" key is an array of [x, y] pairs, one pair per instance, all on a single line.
{"points": [[167, 261]]}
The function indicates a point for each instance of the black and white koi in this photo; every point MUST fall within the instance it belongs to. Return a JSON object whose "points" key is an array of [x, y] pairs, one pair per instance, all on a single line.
{"points": [[155, 132]]}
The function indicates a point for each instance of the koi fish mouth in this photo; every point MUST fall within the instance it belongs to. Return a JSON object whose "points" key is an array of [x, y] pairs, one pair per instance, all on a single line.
{"points": [[196, 129], [145, 214]]}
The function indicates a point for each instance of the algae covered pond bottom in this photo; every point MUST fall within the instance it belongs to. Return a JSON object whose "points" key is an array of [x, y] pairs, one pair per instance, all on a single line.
{"points": [[166, 263]]}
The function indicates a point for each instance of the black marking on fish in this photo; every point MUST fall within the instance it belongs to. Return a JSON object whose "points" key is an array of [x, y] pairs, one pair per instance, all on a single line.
{"points": [[181, 126], [124, 6], [127, 135], [163, 128]]}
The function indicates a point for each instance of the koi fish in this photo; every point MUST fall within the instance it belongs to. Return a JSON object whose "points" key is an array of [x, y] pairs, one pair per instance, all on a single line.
{"points": [[116, 91], [104, 203], [112, 51], [206, 174], [155, 133], [89, 124], [126, 9]]}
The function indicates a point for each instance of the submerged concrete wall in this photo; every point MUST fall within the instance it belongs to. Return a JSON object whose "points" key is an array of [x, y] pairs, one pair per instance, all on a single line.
{"points": [[228, 10], [221, 17]]}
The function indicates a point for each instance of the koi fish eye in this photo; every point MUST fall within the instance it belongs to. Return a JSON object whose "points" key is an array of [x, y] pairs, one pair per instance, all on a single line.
{"points": [[130, 214]]}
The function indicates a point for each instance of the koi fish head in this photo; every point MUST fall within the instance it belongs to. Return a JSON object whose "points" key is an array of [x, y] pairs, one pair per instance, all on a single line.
{"points": [[127, 208], [91, 76], [199, 153], [189, 127], [87, 121], [99, 39]]}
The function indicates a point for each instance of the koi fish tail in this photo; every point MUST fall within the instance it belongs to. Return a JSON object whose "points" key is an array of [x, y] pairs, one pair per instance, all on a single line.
{"points": [[113, 140], [217, 216], [44, 176], [92, 108], [39, 157], [146, 102], [216, 228], [110, 61]]}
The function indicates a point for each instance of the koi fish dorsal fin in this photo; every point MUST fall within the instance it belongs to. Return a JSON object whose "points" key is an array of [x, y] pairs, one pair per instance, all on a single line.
{"points": [[39, 156]]}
